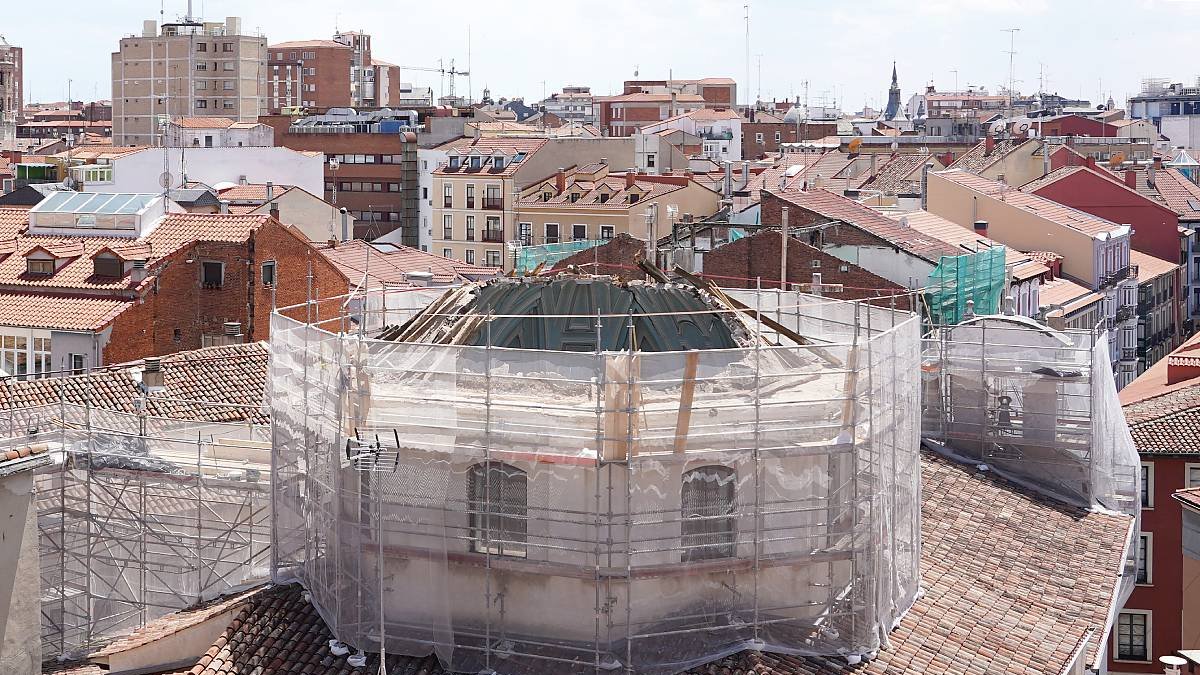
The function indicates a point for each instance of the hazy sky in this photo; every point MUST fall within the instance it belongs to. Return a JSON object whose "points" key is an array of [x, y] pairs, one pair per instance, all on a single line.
{"points": [[1089, 48]]}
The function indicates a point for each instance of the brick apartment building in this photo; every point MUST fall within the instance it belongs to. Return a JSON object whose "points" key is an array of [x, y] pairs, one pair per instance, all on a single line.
{"points": [[764, 133], [373, 174], [308, 73], [716, 92], [82, 286]]}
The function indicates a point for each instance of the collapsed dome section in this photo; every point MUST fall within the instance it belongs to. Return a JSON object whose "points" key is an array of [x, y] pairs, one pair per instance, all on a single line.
{"points": [[575, 474]]}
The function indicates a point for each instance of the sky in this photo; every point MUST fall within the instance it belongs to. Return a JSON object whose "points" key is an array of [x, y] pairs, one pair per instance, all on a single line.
{"points": [[836, 52]]}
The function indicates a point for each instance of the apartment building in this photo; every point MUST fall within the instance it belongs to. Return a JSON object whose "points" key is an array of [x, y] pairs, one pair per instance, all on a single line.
{"points": [[308, 74], [623, 115], [590, 203], [189, 68], [719, 131], [476, 194], [572, 104], [1096, 252], [370, 169], [716, 92], [11, 94]]}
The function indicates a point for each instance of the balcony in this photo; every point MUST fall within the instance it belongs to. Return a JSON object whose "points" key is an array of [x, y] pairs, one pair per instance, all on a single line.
{"points": [[1128, 354], [716, 135], [1124, 314], [493, 203], [494, 236], [1118, 276]]}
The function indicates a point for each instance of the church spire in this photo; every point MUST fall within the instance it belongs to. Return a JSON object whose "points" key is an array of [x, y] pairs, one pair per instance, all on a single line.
{"points": [[895, 80]]}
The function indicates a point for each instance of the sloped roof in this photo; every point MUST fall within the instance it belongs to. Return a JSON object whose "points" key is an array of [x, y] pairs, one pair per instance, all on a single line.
{"points": [[220, 384], [1179, 193], [60, 312], [612, 185], [1081, 221], [391, 263], [978, 158], [298, 44], [1168, 423], [252, 192], [203, 122], [1014, 582], [895, 176], [1150, 267], [836, 207], [1067, 294], [937, 227]]}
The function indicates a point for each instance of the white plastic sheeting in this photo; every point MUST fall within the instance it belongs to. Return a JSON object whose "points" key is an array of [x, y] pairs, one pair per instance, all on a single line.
{"points": [[141, 516], [550, 512]]}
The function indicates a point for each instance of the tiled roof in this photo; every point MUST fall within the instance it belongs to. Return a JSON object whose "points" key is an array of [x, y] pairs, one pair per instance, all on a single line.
{"points": [[640, 97], [1150, 267], [612, 185], [1188, 497], [896, 176], [1066, 216], [63, 312], [391, 263], [175, 231], [298, 44], [203, 122], [836, 207], [937, 227], [1013, 583], [173, 623], [1066, 293], [1179, 193], [23, 452], [1168, 423], [978, 158], [252, 192], [1153, 382], [485, 146], [231, 376]]}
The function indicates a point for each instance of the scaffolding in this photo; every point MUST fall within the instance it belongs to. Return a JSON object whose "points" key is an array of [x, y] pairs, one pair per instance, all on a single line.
{"points": [[141, 516], [543, 511]]}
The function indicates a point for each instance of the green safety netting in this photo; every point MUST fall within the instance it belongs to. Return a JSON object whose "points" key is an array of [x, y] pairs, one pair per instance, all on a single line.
{"points": [[529, 257], [956, 279]]}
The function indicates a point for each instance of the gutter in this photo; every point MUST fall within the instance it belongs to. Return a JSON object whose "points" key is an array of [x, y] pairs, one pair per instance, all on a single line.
{"points": [[1117, 600], [14, 466]]}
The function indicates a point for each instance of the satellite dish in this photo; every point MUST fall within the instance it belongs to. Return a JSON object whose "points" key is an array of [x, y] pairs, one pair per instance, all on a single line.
{"points": [[855, 144], [1116, 160], [164, 180]]}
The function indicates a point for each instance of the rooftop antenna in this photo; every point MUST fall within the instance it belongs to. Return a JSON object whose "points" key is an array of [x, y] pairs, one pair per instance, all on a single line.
{"points": [[955, 71], [747, 8], [470, 87], [1012, 42], [759, 76]]}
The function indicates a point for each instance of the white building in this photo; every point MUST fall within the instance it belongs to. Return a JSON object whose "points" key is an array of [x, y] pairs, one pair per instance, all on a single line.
{"points": [[720, 131], [142, 171], [218, 132], [573, 104]]}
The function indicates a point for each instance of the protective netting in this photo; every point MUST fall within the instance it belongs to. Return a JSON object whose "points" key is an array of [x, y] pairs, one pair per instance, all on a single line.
{"points": [[1037, 405], [979, 277], [552, 512], [527, 258], [141, 516]]}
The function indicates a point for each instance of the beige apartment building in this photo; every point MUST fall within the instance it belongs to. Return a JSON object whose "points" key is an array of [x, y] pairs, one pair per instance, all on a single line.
{"points": [[475, 193], [589, 203], [189, 68]]}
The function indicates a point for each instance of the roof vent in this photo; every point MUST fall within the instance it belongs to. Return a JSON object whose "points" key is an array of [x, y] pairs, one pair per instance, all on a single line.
{"points": [[152, 375]]}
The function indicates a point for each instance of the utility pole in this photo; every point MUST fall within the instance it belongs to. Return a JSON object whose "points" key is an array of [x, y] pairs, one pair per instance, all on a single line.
{"points": [[747, 8]]}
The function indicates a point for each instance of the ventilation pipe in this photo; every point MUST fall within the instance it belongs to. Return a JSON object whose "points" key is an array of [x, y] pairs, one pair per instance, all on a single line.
{"points": [[270, 191], [224, 206], [745, 175], [152, 375], [727, 190], [345, 224]]}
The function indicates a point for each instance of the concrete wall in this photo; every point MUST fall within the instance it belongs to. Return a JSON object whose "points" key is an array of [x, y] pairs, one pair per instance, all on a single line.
{"points": [[20, 608], [1182, 129], [316, 218], [140, 171]]}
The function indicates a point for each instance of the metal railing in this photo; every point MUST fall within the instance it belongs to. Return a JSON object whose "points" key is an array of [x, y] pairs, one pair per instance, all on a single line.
{"points": [[493, 236], [493, 203]]}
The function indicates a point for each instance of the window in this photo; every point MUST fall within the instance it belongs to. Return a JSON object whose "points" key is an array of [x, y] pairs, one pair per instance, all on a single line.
{"points": [[268, 273], [43, 363], [1133, 636], [208, 141], [758, 138], [447, 253], [201, 46], [497, 496], [212, 274], [707, 513], [39, 266], [227, 85], [579, 232], [525, 233], [1192, 475], [77, 364], [778, 136], [227, 47], [447, 195], [649, 161], [177, 335], [551, 233], [1147, 485], [393, 187], [447, 226], [470, 257], [228, 65], [470, 196], [493, 258], [107, 266], [1145, 556], [201, 104], [470, 229], [13, 355], [606, 231]]}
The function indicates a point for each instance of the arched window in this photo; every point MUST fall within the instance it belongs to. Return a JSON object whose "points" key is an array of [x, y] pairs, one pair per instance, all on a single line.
{"points": [[707, 503], [498, 498]]}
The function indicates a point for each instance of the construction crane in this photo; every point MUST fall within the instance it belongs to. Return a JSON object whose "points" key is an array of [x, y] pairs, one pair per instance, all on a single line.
{"points": [[444, 72]]}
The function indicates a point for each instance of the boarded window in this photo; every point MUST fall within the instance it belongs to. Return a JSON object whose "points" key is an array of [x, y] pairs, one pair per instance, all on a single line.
{"points": [[498, 501], [707, 500], [107, 266]]}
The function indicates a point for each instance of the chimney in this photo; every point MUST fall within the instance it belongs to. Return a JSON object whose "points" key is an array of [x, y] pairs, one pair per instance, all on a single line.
{"points": [[224, 206], [872, 165], [232, 334], [152, 375], [1056, 319], [981, 227], [275, 210], [727, 190], [671, 110], [1131, 179], [925, 184], [989, 144], [1090, 162], [745, 175], [270, 191], [138, 274], [1152, 170], [630, 177], [345, 224], [560, 181], [604, 161]]}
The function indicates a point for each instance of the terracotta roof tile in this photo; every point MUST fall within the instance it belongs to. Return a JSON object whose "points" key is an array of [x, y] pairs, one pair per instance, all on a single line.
{"points": [[173, 623], [836, 207], [1066, 216], [391, 263], [203, 122], [252, 192], [1179, 193], [297, 44], [22, 452], [1150, 267], [63, 312], [1188, 497]]}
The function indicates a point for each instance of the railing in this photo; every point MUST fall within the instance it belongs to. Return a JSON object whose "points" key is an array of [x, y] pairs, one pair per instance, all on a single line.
{"points": [[349, 129], [493, 203], [1124, 314], [1119, 275], [717, 135], [493, 235], [1128, 354]]}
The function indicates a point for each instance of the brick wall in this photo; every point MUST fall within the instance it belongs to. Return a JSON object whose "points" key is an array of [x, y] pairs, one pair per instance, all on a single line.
{"points": [[741, 263], [613, 258], [788, 133], [772, 215], [176, 312]]}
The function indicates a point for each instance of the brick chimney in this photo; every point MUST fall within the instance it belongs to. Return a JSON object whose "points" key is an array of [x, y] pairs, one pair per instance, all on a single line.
{"points": [[275, 210], [560, 181], [1090, 162], [1131, 179], [989, 144], [630, 178]]}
